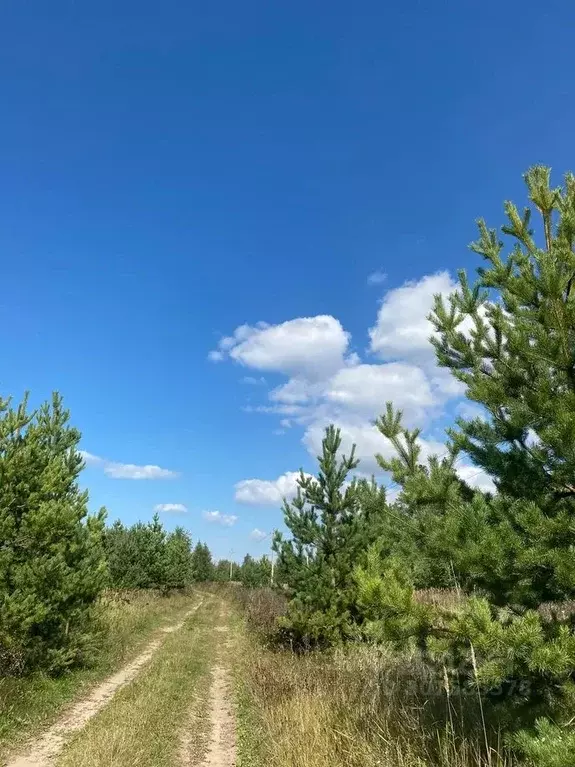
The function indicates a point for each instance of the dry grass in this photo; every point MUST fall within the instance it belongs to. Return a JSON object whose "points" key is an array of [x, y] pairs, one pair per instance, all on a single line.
{"points": [[128, 619], [262, 608], [142, 724], [357, 708]]}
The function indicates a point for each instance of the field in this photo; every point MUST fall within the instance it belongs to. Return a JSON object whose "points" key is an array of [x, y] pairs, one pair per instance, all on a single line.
{"points": [[188, 680]]}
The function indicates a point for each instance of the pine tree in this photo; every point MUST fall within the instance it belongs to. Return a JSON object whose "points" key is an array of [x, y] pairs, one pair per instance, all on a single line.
{"points": [[224, 571], [202, 565], [178, 559], [329, 533], [248, 572], [255, 573], [510, 339], [155, 544], [52, 568], [136, 555]]}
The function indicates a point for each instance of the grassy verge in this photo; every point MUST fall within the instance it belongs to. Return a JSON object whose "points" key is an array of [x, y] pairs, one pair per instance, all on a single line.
{"points": [[354, 708], [144, 722], [29, 704], [250, 733]]}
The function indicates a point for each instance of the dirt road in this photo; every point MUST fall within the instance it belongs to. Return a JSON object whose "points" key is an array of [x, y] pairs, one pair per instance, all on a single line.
{"points": [[204, 740]]}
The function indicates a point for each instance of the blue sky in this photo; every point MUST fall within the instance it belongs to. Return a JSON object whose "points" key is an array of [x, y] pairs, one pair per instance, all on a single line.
{"points": [[171, 173]]}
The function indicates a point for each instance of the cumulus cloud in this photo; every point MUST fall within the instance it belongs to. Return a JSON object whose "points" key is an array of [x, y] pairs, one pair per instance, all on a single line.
{"points": [[297, 391], [310, 346], [369, 442], [475, 477], [253, 381], [258, 535], [90, 459], [227, 520], [266, 492], [402, 329], [366, 389], [117, 470], [470, 410], [170, 508], [327, 383], [132, 471]]}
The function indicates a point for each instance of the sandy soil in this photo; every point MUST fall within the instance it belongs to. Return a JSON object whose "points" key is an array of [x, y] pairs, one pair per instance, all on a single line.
{"points": [[209, 740], [222, 745], [43, 751]]}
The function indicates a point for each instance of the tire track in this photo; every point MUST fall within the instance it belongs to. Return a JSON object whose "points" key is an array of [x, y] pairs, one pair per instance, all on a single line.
{"points": [[220, 744], [43, 751]]}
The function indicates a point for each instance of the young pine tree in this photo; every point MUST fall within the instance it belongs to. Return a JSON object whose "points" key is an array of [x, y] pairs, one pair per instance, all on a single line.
{"points": [[510, 339], [329, 533], [136, 555], [255, 573], [52, 567], [202, 565], [178, 559]]}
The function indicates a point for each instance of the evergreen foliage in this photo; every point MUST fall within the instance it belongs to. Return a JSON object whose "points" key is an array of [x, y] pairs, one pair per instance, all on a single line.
{"points": [[329, 533], [202, 565], [178, 571], [224, 571], [255, 573], [52, 568], [509, 338], [143, 556]]}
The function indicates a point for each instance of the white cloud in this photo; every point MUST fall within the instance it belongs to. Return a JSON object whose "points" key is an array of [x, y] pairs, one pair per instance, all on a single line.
{"points": [[361, 433], [291, 410], [367, 388], [475, 477], [117, 470], [377, 278], [132, 471], [369, 442], [470, 410], [258, 535], [296, 390], [90, 459], [311, 347], [402, 329], [171, 508], [265, 492], [326, 383], [227, 520]]}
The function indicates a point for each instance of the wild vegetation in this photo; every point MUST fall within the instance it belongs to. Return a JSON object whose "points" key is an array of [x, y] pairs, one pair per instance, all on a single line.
{"points": [[126, 620], [429, 628], [509, 341]]}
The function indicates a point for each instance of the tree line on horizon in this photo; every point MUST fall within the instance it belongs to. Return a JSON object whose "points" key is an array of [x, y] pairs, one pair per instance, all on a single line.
{"points": [[56, 559], [145, 556]]}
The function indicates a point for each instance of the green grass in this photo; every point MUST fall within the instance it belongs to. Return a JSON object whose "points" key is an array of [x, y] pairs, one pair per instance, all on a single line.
{"points": [[29, 704], [145, 722], [251, 747]]}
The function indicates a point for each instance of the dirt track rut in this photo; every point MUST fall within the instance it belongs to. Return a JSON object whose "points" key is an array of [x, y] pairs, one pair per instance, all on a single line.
{"points": [[44, 751]]}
